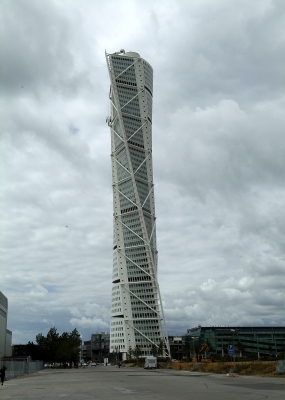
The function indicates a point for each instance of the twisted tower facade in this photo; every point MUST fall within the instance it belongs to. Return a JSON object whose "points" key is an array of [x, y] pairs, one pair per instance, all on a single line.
{"points": [[137, 319]]}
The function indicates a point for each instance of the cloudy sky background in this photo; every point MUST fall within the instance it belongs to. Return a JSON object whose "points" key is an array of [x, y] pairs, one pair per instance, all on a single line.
{"points": [[218, 155]]}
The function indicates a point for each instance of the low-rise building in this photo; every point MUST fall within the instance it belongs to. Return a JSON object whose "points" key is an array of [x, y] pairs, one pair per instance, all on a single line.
{"points": [[100, 346], [176, 344], [250, 341], [86, 350]]}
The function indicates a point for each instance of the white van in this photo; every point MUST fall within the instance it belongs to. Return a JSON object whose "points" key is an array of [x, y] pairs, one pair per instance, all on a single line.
{"points": [[150, 362]]}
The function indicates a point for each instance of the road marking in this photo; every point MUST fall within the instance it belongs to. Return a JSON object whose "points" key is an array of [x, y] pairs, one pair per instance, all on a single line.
{"points": [[124, 390]]}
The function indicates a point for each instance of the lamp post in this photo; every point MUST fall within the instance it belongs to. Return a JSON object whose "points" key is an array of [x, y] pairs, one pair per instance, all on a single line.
{"points": [[233, 331]]}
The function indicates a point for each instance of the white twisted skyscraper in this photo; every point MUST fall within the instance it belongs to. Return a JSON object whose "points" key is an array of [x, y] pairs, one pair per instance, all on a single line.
{"points": [[137, 314]]}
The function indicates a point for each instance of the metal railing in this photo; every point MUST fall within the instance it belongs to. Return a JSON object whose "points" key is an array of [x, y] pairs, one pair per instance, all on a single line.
{"points": [[19, 368]]}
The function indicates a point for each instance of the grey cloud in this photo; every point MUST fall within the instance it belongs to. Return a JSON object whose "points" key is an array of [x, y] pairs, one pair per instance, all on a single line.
{"points": [[221, 145], [226, 51], [218, 152], [39, 51]]}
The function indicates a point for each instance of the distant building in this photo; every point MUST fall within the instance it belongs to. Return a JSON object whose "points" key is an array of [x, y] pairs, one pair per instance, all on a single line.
{"points": [[176, 344], [86, 350], [8, 350], [256, 341], [19, 350], [5, 334], [100, 346]]}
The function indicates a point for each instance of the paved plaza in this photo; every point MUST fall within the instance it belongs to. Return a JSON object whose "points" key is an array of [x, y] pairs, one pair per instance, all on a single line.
{"points": [[135, 383]]}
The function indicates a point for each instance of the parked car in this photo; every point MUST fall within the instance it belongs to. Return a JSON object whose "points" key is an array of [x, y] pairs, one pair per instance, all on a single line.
{"points": [[93, 364]]}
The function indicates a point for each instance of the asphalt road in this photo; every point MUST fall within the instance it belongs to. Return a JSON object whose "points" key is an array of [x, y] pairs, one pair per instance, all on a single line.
{"points": [[134, 383]]}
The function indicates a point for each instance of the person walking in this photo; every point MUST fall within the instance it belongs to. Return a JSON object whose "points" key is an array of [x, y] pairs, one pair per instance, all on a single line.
{"points": [[2, 374]]}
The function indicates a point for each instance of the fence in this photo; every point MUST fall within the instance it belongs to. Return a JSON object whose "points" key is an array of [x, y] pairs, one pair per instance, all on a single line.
{"points": [[280, 369], [19, 368]]}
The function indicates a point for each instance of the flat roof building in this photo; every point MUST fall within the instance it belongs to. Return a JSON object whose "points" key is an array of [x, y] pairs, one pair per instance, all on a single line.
{"points": [[248, 340], [100, 346]]}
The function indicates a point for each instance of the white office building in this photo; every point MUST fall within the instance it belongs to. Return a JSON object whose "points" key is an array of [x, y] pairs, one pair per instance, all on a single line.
{"points": [[137, 314], [5, 334]]}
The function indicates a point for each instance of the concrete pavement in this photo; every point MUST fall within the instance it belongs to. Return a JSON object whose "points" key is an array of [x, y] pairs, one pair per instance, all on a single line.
{"points": [[135, 383]]}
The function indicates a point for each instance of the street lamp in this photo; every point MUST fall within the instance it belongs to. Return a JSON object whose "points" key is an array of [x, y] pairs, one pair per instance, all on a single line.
{"points": [[233, 331]]}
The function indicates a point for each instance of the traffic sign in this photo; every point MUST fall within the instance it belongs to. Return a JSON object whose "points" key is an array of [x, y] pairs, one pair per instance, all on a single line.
{"points": [[231, 350]]}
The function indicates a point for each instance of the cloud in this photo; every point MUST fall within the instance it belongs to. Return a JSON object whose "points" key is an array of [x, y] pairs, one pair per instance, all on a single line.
{"points": [[209, 285], [91, 316], [38, 291], [92, 323], [218, 157]]}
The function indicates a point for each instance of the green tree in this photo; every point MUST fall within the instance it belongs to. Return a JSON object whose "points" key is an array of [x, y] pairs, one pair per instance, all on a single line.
{"points": [[63, 348], [74, 342], [33, 351], [49, 345], [158, 350], [69, 349]]}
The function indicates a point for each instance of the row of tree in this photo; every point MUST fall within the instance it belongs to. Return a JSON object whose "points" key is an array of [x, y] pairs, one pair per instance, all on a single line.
{"points": [[156, 351], [56, 348]]}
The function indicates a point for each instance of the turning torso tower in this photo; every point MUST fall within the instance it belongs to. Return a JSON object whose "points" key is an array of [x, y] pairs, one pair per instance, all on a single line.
{"points": [[137, 316]]}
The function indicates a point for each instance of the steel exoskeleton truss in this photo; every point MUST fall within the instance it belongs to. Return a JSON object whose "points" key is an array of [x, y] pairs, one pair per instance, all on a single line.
{"points": [[146, 240]]}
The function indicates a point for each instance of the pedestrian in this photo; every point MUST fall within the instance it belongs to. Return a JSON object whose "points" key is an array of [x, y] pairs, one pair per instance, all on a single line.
{"points": [[2, 374]]}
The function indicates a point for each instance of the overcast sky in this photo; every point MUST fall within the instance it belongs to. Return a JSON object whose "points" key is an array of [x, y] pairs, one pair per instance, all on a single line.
{"points": [[218, 157]]}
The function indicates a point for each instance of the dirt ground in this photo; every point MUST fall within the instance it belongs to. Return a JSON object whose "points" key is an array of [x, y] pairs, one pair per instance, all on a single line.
{"points": [[257, 368]]}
